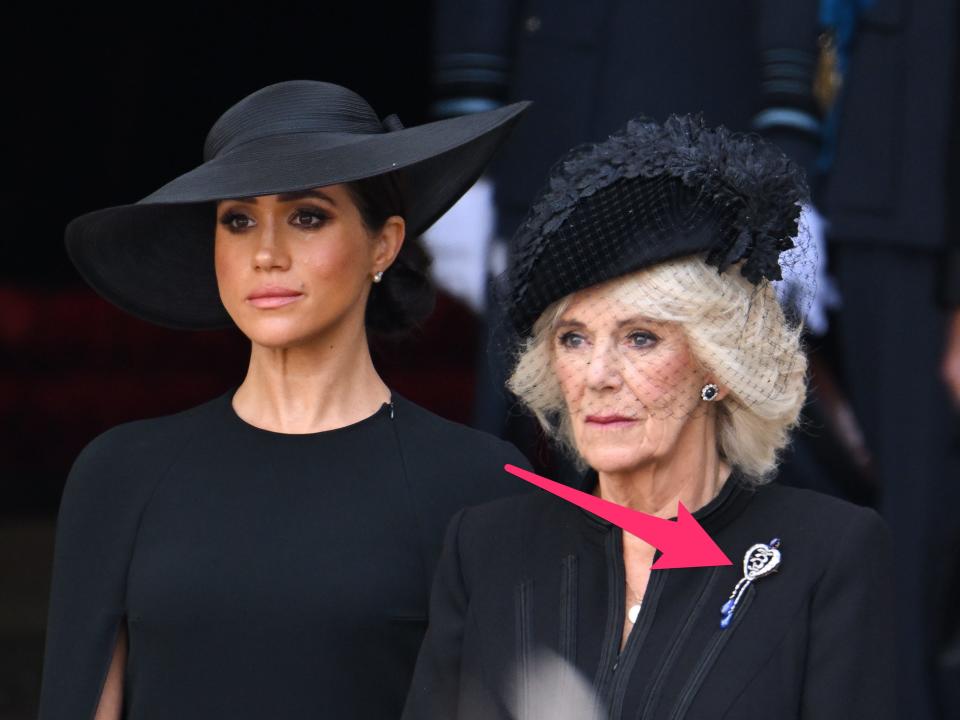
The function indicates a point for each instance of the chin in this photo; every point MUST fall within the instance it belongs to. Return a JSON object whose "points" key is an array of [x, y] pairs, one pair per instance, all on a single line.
{"points": [[614, 459], [273, 332]]}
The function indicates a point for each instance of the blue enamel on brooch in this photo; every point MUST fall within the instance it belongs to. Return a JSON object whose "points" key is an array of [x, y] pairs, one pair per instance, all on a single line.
{"points": [[759, 561]]}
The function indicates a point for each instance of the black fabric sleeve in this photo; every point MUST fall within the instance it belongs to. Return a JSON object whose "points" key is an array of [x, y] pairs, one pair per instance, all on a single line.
{"points": [[472, 49], [787, 39], [95, 528], [106, 491], [948, 292], [510, 454], [850, 670], [435, 689]]}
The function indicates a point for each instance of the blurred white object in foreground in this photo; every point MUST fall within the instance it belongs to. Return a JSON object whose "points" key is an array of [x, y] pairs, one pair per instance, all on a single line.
{"points": [[554, 689]]}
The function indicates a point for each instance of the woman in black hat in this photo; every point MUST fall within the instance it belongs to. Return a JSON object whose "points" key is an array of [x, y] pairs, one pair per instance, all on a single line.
{"points": [[268, 553], [653, 346]]}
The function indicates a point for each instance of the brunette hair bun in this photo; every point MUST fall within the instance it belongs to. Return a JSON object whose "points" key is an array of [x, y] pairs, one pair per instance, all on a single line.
{"points": [[406, 295]]}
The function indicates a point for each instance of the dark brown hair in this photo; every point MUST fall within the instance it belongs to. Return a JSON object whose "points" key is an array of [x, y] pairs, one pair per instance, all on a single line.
{"points": [[406, 295]]}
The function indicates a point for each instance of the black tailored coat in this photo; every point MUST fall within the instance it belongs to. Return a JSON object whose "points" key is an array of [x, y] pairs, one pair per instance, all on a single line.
{"points": [[521, 575]]}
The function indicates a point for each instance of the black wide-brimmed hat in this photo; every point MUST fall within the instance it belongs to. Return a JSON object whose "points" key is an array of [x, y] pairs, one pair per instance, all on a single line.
{"points": [[154, 258]]}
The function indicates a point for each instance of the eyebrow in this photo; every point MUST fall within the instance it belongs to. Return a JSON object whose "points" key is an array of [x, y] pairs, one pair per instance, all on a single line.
{"points": [[292, 197], [573, 323]]}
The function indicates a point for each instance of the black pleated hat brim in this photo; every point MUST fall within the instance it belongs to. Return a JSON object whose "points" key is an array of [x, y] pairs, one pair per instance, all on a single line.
{"points": [[155, 258]]}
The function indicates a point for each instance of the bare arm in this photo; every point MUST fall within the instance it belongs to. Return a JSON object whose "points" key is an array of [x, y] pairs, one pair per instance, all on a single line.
{"points": [[951, 359], [111, 699]]}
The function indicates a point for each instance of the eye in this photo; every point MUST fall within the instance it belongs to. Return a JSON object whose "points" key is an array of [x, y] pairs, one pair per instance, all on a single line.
{"points": [[642, 338], [231, 218], [314, 218], [571, 339]]}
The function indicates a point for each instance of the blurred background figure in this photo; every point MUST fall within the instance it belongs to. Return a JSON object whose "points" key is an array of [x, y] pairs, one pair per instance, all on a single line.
{"points": [[884, 199]]}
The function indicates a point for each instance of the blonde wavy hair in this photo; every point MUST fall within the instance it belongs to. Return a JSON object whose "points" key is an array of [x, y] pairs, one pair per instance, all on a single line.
{"points": [[735, 330]]}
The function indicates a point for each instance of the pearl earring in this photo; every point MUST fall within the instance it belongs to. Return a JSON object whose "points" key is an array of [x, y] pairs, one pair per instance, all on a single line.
{"points": [[378, 276], [709, 392]]}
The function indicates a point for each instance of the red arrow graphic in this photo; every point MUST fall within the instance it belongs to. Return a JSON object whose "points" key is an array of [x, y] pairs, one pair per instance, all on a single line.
{"points": [[684, 543]]}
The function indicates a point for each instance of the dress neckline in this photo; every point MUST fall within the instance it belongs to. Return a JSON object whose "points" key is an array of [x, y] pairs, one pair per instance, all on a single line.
{"points": [[226, 403]]}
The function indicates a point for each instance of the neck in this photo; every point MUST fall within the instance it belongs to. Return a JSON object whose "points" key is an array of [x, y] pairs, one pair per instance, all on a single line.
{"points": [[692, 473], [320, 384]]}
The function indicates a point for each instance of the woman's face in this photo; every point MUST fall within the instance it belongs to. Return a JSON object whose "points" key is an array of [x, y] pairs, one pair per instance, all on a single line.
{"points": [[630, 384], [307, 253]]}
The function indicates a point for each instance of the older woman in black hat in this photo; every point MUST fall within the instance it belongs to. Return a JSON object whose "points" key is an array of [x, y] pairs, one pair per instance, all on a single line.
{"points": [[654, 348], [268, 553]]}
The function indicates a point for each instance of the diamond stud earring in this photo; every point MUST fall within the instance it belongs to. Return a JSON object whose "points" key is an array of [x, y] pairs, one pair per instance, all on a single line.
{"points": [[709, 392]]}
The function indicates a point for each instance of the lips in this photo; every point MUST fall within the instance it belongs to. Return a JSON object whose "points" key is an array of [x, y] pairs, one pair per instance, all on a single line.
{"points": [[273, 291], [608, 420], [270, 296]]}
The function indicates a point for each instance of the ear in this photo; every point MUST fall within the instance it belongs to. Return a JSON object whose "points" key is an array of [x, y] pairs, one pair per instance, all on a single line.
{"points": [[388, 243]]}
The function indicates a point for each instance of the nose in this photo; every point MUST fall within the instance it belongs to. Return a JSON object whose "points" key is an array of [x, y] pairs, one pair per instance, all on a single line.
{"points": [[271, 251], [603, 367]]}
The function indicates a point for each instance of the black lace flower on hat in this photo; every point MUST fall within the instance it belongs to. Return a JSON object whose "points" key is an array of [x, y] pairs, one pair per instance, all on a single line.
{"points": [[751, 190]]}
